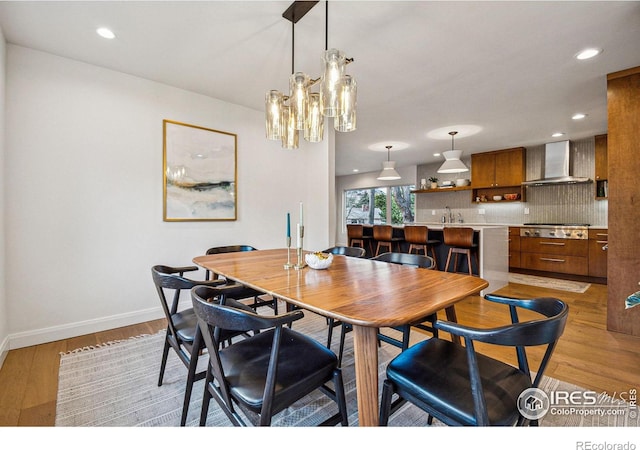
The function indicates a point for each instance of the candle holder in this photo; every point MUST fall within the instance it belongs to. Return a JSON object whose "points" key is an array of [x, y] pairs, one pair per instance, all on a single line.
{"points": [[301, 264], [288, 264]]}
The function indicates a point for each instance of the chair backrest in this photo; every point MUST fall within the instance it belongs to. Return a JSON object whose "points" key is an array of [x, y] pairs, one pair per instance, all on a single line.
{"points": [[168, 278], [355, 231], [230, 249], [543, 331], [226, 249], [382, 232], [458, 236], [407, 259], [356, 252], [416, 234], [540, 331]]}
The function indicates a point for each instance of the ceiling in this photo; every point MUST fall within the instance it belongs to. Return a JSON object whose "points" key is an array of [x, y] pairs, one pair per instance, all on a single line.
{"points": [[506, 69]]}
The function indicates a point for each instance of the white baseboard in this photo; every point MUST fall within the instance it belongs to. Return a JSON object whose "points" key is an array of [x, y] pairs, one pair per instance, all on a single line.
{"points": [[4, 350], [66, 331]]}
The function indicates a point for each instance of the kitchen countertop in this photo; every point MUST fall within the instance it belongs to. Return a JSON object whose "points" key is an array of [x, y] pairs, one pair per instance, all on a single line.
{"points": [[439, 225]]}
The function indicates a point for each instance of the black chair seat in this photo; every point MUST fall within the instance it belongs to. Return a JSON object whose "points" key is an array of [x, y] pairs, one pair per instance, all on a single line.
{"points": [[436, 371], [245, 365]]}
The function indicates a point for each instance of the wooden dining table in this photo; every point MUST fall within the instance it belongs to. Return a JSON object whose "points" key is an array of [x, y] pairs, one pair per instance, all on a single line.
{"points": [[365, 293]]}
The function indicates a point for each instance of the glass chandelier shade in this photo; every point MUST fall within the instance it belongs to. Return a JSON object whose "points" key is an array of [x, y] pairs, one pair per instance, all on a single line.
{"points": [[299, 98], [314, 130], [333, 61], [345, 121], [290, 137], [273, 109]]}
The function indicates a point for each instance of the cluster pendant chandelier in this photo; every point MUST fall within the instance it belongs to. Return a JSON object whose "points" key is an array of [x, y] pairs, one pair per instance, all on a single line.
{"points": [[304, 110], [452, 163]]}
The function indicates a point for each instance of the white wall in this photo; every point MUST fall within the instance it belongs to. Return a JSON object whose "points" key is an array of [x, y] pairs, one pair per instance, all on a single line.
{"points": [[84, 193], [4, 323]]}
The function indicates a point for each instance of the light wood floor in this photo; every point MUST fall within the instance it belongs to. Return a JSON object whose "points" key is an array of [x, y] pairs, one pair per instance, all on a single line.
{"points": [[588, 355]]}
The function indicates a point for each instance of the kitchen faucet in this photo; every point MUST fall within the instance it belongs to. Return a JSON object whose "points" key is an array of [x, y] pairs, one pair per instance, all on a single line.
{"points": [[450, 215]]}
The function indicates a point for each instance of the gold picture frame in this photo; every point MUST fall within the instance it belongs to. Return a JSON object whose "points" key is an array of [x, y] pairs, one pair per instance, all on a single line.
{"points": [[200, 169]]}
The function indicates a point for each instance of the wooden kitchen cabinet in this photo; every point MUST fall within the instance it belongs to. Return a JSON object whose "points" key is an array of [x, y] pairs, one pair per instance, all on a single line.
{"points": [[601, 167], [514, 247], [500, 168], [598, 245], [498, 172], [570, 256]]}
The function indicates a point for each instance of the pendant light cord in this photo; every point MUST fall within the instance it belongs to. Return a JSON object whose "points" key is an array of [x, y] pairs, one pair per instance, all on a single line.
{"points": [[293, 46], [326, 25]]}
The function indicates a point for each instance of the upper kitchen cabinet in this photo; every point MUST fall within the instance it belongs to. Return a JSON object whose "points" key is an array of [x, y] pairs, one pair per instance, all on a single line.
{"points": [[601, 174], [498, 173]]}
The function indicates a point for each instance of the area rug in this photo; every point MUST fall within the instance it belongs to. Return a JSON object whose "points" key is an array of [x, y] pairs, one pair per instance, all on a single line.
{"points": [[549, 283], [115, 384]]}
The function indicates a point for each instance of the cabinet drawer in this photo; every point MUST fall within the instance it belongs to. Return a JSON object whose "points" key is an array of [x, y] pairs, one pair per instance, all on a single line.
{"points": [[599, 234], [514, 244], [569, 247], [576, 265]]}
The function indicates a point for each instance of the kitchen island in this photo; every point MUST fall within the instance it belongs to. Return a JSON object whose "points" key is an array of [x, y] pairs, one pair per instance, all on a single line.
{"points": [[493, 249]]}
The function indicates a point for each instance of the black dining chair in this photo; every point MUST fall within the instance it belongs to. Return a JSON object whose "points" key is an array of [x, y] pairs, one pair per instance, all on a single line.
{"points": [[355, 252], [414, 260], [267, 372], [182, 332], [259, 298], [459, 386], [420, 261]]}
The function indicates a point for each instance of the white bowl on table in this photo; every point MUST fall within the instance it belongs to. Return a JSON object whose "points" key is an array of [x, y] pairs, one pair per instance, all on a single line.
{"points": [[318, 260]]}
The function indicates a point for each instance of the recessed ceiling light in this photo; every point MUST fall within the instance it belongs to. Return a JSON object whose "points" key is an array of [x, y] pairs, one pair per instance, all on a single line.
{"points": [[557, 134], [578, 116], [588, 53], [356, 170], [106, 33], [436, 154]]}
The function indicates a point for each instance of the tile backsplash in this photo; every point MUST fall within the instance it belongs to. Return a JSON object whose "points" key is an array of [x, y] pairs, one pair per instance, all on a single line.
{"points": [[574, 203]]}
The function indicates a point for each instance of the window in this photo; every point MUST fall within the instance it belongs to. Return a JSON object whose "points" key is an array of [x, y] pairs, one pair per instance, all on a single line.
{"points": [[380, 205]]}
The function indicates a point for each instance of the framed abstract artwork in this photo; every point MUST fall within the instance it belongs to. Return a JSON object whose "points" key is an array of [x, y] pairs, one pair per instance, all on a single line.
{"points": [[199, 173]]}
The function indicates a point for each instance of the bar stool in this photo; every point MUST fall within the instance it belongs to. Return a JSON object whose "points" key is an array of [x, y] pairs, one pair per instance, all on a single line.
{"points": [[460, 241], [383, 234], [355, 235], [418, 238]]}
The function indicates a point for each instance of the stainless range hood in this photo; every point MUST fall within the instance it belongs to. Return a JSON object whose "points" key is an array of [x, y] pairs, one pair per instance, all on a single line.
{"points": [[557, 166]]}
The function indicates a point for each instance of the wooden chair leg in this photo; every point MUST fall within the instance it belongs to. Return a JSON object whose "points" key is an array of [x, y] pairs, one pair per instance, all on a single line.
{"points": [[446, 266], [433, 255]]}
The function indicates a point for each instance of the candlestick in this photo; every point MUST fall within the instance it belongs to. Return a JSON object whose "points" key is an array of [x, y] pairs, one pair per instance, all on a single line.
{"points": [[301, 264], [288, 264]]}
